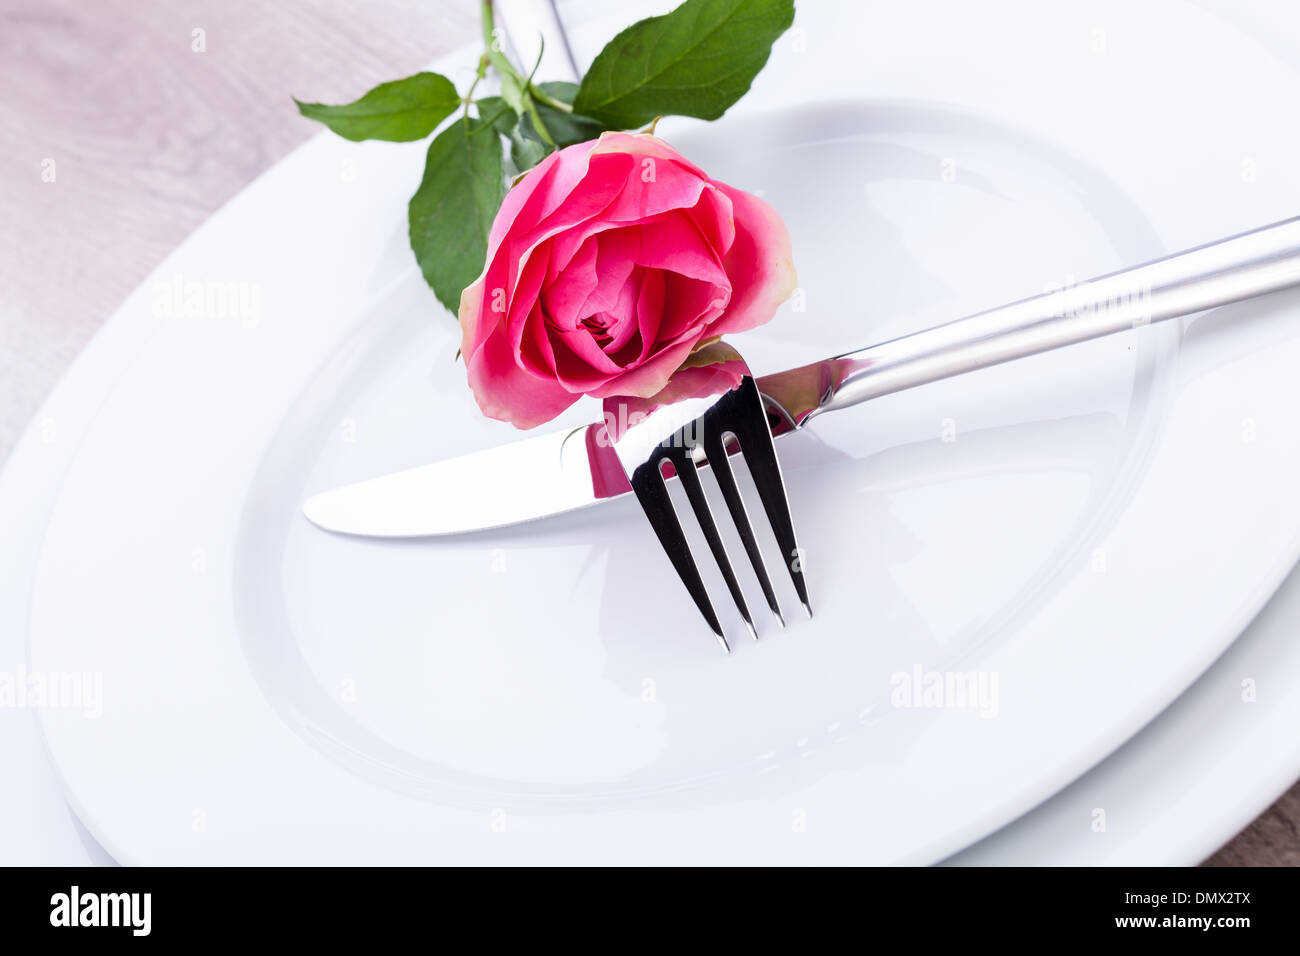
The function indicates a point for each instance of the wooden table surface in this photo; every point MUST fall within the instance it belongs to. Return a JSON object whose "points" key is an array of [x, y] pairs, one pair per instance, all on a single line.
{"points": [[149, 136]]}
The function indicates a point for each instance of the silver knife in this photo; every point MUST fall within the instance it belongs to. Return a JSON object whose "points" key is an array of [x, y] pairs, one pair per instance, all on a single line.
{"points": [[566, 470]]}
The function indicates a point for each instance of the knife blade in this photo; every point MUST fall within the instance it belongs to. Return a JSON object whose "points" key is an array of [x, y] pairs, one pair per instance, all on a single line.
{"points": [[469, 493], [483, 490]]}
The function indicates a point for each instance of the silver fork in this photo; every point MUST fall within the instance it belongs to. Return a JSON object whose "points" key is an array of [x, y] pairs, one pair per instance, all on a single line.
{"points": [[686, 435], [692, 432]]}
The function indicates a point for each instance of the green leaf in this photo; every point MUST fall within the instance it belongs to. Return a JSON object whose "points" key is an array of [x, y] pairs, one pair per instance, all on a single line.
{"points": [[451, 213], [565, 128], [495, 110], [695, 61], [526, 147], [562, 90], [399, 112]]}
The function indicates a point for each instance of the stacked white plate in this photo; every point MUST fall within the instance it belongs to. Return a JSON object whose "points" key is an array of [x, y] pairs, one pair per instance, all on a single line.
{"points": [[1086, 534]]}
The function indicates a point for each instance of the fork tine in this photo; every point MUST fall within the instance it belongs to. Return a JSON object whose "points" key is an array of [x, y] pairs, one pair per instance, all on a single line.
{"points": [[648, 484], [716, 451], [690, 480], [760, 454]]}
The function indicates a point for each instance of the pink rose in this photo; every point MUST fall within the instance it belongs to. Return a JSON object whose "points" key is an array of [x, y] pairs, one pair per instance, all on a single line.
{"points": [[608, 265]]}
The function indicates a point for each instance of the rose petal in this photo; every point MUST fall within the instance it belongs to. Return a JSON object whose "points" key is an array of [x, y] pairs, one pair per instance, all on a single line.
{"points": [[625, 332], [644, 144], [648, 377], [710, 370], [526, 302], [601, 185], [535, 350], [650, 310], [696, 305], [580, 364], [674, 243], [760, 264], [615, 262], [669, 187], [714, 215], [508, 393], [538, 194], [565, 299]]}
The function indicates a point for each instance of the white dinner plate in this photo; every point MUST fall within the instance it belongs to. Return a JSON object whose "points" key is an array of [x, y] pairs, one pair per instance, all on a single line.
{"points": [[1086, 531], [1178, 790]]}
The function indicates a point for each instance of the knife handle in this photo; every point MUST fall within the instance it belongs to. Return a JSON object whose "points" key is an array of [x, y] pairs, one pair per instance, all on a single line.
{"points": [[1229, 270]]}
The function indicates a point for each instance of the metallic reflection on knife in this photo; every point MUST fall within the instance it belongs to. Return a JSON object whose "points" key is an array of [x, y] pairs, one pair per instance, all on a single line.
{"points": [[572, 469], [564, 470]]}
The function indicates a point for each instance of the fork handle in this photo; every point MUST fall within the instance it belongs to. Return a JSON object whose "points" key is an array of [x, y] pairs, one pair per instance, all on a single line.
{"points": [[1241, 267]]}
